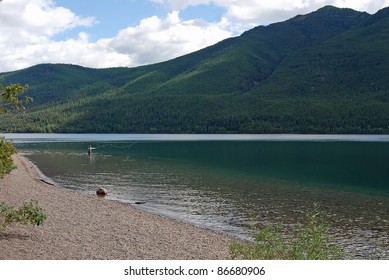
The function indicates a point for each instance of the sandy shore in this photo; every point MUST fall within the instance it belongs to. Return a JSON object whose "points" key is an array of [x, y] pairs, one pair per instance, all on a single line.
{"points": [[81, 226]]}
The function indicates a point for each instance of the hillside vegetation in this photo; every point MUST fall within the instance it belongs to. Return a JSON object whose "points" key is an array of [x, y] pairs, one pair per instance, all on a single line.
{"points": [[324, 72]]}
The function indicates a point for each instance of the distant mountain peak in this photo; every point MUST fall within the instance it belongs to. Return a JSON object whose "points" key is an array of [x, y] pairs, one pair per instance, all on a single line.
{"points": [[378, 16]]}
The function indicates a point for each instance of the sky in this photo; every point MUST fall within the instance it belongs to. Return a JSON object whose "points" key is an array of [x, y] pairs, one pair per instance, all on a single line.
{"points": [[129, 33]]}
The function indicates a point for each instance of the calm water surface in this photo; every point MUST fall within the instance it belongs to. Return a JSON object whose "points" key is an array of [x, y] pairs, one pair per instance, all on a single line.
{"points": [[230, 182]]}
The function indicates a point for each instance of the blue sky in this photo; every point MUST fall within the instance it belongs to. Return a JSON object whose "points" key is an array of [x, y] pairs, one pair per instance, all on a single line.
{"points": [[112, 16], [130, 33]]}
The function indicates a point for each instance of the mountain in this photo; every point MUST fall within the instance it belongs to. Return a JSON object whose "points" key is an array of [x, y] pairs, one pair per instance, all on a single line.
{"points": [[324, 72]]}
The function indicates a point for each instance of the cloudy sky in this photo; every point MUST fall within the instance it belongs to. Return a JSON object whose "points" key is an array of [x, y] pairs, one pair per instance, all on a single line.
{"points": [[102, 33]]}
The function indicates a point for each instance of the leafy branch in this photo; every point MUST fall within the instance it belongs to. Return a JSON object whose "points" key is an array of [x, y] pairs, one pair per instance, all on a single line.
{"points": [[9, 97], [6, 151]]}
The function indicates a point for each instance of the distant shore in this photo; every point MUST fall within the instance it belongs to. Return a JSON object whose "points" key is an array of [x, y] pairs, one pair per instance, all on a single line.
{"points": [[81, 226]]}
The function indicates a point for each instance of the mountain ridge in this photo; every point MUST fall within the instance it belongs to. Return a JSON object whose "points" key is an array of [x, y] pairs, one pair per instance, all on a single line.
{"points": [[323, 72]]}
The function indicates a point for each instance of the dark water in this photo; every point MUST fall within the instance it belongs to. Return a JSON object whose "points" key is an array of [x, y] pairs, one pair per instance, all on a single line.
{"points": [[228, 183]]}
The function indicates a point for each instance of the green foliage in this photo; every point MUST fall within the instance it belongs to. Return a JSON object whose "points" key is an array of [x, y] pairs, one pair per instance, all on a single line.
{"points": [[324, 72], [29, 213], [301, 242], [6, 152], [9, 97]]}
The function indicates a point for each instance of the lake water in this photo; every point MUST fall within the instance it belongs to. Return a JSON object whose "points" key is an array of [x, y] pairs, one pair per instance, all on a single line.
{"points": [[230, 182]]}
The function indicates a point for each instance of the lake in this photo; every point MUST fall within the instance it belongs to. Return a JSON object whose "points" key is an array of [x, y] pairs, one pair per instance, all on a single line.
{"points": [[231, 182]]}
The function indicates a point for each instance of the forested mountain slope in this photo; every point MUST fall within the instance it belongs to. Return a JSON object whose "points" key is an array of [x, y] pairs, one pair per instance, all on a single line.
{"points": [[324, 72]]}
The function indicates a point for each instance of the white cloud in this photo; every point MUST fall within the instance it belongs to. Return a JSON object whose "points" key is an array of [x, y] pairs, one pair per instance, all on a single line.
{"points": [[369, 6], [242, 15], [76, 51], [256, 5], [31, 21], [27, 28], [155, 39]]}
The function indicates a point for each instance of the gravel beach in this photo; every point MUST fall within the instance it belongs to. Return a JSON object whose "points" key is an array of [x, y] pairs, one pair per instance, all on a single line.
{"points": [[86, 227]]}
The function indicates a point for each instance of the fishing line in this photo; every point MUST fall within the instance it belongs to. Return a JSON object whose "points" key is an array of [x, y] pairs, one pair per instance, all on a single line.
{"points": [[114, 146]]}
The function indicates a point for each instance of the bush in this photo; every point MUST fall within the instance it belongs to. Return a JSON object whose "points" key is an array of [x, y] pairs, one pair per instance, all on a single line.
{"points": [[6, 151], [29, 213], [309, 242]]}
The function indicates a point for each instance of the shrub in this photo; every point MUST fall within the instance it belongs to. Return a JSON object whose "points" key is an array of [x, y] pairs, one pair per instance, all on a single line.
{"points": [[29, 213], [6, 151], [301, 242]]}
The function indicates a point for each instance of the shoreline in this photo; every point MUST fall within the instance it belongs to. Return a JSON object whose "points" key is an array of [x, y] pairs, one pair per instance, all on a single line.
{"points": [[85, 227]]}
